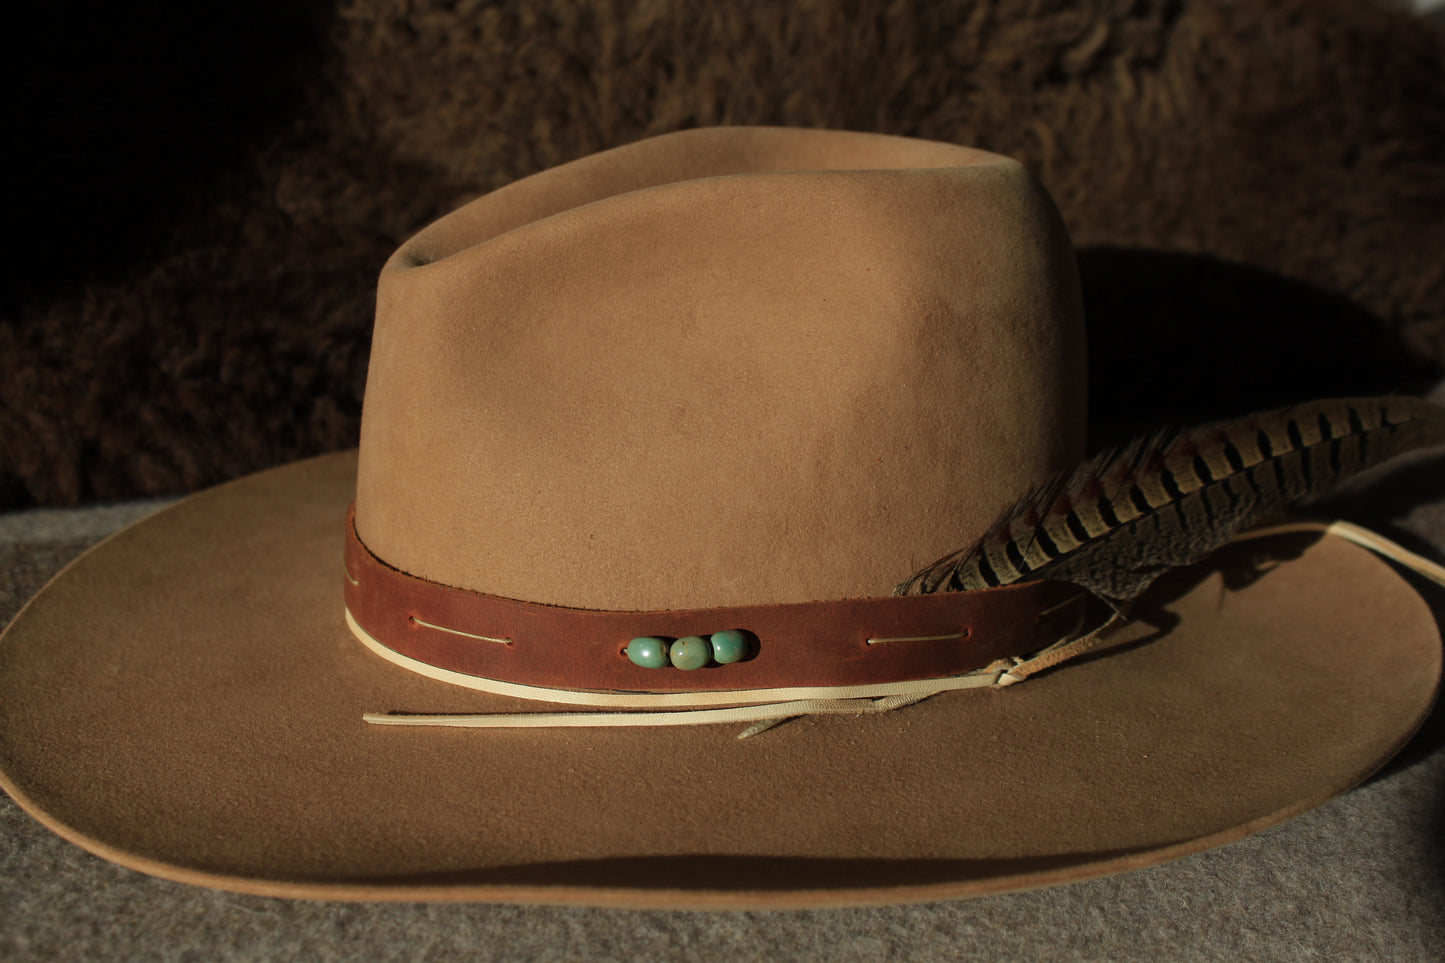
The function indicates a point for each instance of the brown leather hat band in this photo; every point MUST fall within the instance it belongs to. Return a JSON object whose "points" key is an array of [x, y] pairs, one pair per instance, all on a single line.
{"points": [[849, 642]]}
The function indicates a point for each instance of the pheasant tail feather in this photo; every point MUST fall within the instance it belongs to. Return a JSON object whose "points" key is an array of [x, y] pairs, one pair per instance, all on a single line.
{"points": [[1170, 499]]}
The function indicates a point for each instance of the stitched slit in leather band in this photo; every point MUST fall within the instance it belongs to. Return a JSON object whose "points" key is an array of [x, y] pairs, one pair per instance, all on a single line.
{"points": [[793, 645]]}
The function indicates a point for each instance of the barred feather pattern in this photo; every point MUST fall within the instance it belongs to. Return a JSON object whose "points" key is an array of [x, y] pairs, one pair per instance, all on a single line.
{"points": [[1130, 514]]}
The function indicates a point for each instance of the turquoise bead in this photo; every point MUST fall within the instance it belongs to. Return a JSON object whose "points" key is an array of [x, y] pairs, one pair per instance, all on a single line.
{"points": [[729, 646], [648, 652], [690, 652]]}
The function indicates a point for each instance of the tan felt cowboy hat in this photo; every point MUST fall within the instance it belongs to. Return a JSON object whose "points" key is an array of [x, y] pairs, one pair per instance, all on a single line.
{"points": [[718, 393]]}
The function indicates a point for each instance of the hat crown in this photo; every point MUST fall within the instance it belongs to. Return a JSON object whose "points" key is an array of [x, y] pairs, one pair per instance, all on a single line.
{"points": [[722, 367]]}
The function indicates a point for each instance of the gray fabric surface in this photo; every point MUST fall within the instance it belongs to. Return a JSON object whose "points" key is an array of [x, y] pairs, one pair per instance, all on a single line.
{"points": [[1361, 878]]}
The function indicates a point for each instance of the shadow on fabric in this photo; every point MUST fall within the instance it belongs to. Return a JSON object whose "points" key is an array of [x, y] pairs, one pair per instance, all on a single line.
{"points": [[1185, 338]]}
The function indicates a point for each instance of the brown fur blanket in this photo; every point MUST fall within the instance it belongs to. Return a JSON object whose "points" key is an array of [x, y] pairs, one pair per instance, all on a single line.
{"points": [[1256, 187]]}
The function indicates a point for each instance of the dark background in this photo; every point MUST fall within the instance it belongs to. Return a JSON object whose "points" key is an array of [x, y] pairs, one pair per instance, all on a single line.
{"points": [[203, 193]]}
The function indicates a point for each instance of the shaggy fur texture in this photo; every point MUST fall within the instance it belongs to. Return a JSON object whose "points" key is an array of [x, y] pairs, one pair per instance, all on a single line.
{"points": [[1260, 180]]}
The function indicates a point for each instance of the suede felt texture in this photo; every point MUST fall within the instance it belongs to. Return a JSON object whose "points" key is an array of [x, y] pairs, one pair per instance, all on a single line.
{"points": [[186, 700], [742, 382], [1356, 878], [1256, 188]]}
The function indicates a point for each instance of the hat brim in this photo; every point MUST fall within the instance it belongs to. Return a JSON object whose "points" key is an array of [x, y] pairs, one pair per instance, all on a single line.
{"points": [[186, 700]]}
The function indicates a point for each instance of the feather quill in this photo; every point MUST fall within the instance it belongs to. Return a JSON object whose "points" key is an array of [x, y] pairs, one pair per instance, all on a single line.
{"points": [[1128, 515]]}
